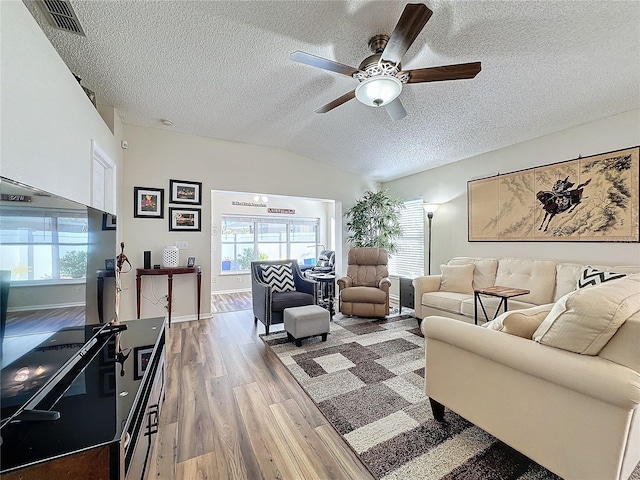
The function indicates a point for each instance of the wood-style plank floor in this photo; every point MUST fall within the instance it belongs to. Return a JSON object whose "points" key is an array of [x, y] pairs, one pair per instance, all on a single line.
{"points": [[232, 410], [230, 302]]}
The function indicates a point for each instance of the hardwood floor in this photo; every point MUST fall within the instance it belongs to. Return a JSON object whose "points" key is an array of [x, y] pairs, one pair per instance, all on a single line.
{"points": [[230, 302], [232, 410]]}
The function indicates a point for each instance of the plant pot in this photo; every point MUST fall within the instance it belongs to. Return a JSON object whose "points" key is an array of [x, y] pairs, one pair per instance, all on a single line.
{"points": [[226, 265]]}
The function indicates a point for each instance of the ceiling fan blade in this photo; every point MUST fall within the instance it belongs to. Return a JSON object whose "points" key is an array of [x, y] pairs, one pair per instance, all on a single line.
{"points": [[396, 110], [445, 72], [337, 102], [413, 19], [319, 62]]}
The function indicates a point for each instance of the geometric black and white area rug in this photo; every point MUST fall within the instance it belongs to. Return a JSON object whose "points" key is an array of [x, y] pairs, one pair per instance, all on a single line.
{"points": [[368, 381]]}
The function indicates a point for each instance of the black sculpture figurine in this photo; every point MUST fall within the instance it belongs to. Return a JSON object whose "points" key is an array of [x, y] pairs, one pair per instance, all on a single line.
{"points": [[121, 354]]}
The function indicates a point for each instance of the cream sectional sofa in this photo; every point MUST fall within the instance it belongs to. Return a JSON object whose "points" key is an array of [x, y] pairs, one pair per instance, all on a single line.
{"points": [[566, 397], [451, 294]]}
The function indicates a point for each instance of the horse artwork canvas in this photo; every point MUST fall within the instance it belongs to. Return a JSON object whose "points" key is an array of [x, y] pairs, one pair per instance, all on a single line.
{"points": [[590, 199], [560, 199]]}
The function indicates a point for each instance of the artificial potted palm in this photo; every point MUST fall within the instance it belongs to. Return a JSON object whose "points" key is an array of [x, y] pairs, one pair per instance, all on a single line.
{"points": [[374, 221]]}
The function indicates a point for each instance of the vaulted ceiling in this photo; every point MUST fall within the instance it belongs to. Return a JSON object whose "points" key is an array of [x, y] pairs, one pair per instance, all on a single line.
{"points": [[222, 69]]}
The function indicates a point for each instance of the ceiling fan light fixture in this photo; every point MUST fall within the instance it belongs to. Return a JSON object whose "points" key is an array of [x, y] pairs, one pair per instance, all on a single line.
{"points": [[378, 91]]}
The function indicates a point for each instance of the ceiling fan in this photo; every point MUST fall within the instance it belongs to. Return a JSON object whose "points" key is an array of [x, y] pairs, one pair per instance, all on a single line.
{"points": [[380, 75]]}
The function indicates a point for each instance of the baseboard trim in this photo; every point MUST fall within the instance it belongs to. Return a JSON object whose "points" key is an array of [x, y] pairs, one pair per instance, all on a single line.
{"points": [[45, 307], [190, 318], [225, 292]]}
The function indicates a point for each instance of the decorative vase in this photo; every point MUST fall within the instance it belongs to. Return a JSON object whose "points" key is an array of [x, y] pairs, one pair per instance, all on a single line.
{"points": [[170, 257]]}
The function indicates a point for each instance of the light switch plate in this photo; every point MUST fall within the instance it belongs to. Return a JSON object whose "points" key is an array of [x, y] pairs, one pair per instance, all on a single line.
{"points": [[182, 245]]}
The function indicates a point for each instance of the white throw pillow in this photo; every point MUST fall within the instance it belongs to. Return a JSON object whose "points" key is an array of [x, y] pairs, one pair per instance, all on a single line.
{"points": [[457, 278], [584, 321], [484, 274], [278, 277], [592, 276], [522, 323]]}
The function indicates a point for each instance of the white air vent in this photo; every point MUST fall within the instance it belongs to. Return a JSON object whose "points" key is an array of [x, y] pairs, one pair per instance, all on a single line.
{"points": [[61, 15]]}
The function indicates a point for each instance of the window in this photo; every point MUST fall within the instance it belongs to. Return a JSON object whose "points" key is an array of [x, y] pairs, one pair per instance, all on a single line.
{"points": [[245, 239], [409, 259], [50, 245]]}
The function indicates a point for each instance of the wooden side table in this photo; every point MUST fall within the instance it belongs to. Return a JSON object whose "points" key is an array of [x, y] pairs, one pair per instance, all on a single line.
{"points": [[503, 293], [169, 272]]}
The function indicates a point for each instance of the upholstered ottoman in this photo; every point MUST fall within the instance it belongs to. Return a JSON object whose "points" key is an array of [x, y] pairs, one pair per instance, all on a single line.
{"points": [[306, 321]]}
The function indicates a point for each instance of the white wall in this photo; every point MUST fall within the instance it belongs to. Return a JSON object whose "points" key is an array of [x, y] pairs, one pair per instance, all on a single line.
{"points": [[47, 124], [47, 121], [155, 156], [448, 185]]}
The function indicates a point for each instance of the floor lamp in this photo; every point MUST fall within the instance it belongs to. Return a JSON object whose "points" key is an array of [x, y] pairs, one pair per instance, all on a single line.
{"points": [[430, 208]]}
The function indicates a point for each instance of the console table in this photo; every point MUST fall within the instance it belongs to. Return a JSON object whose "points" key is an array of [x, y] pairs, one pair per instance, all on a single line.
{"points": [[169, 272]]}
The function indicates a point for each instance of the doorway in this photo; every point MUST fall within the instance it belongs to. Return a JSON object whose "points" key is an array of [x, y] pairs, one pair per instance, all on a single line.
{"points": [[250, 226]]}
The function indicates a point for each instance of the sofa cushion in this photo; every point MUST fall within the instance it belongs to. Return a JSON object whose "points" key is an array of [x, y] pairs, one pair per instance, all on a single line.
{"points": [[522, 323], [484, 275], [278, 277], [282, 300], [566, 278], [363, 295], [567, 275], [449, 301], [538, 276], [457, 278], [583, 321], [592, 276], [623, 346], [628, 269]]}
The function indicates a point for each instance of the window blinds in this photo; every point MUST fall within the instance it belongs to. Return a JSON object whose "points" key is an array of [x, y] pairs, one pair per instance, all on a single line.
{"points": [[409, 259]]}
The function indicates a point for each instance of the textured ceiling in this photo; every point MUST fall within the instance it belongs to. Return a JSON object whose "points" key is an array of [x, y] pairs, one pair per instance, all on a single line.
{"points": [[222, 69]]}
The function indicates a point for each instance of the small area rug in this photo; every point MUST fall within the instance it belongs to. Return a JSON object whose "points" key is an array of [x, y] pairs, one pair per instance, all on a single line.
{"points": [[368, 381]]}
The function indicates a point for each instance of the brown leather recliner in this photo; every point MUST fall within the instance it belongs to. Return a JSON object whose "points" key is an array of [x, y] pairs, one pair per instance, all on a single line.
{"points": [[364, 292]]}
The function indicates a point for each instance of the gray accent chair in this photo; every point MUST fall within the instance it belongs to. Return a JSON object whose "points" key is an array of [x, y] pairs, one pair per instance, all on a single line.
{"points": [[268, 306]]}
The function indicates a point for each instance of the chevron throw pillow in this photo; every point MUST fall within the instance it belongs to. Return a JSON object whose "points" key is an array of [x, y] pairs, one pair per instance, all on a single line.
{"points": [[591, 276], [278, 277]]}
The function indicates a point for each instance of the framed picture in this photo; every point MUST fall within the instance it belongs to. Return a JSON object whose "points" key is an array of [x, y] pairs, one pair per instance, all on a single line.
{"points": [[141, 358], [587, 199], [108, 221], [185, 192], [184, 219], [191, 261], [148, 202], [110, 264]]}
